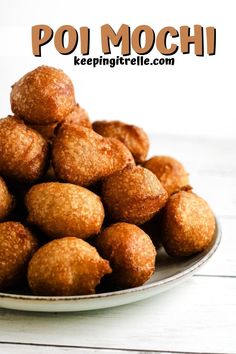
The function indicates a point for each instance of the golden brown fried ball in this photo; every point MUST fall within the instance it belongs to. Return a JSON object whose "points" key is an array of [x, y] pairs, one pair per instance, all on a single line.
{"points": [[43, 96], [6, 201], [83, 157], [130, 252], [17, 247], [59, 209], [68, 266], [78, 116], [23, 151], [133, 195], [169, 171], [188, 225], [132, 136]]}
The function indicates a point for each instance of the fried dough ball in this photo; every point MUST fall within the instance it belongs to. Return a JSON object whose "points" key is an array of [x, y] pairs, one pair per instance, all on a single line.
{"points": [[23, 151], [17, 247], [78, 116], [68, 266], [83, 157], [130, 252], [6, 201], [59, 209], [133, 195], [188, 225], [43, 96], [132, 136], [169, 171]]}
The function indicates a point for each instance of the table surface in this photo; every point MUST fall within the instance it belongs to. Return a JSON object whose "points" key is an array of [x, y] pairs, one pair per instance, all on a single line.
{"points": [[198, 316]]}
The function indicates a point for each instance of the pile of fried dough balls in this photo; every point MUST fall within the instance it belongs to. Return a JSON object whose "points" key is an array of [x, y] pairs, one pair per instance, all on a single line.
{"points": [[80, 202]]}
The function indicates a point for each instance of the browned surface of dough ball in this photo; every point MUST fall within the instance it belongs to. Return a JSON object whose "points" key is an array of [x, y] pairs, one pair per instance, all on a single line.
{"points": [[133, 195], [68, 266], [43, 96], [60, 209], [169, 171], [133, 137], [130, 252], [78, 116], [6, 200], [17, 247], [83, 157], [188, 224], [46, 130], [23, 151]]}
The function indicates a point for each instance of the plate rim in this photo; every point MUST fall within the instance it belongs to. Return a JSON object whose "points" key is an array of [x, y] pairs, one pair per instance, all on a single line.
{"points": [[189, 270]]}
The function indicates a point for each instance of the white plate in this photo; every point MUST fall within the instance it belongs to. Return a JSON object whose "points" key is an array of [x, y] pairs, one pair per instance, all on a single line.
{"points": [[169, 273]]}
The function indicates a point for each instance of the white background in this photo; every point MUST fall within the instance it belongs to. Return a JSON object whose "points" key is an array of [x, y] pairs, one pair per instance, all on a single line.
{"points": [[196, 96]]}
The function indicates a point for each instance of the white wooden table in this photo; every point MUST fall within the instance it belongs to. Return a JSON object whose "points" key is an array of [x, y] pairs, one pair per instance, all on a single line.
{"points": [[198, 316]]}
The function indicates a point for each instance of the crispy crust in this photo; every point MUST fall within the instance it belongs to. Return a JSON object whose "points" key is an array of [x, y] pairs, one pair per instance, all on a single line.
{"points": [[83, 157], [23, 151], [6, 201], [188, 225], [64, 267], [43, 96], [169, 171], [130, 252], [46, 130], [59, 209], [78, 116], [133, 195], [17, 247], [133, 137]]}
